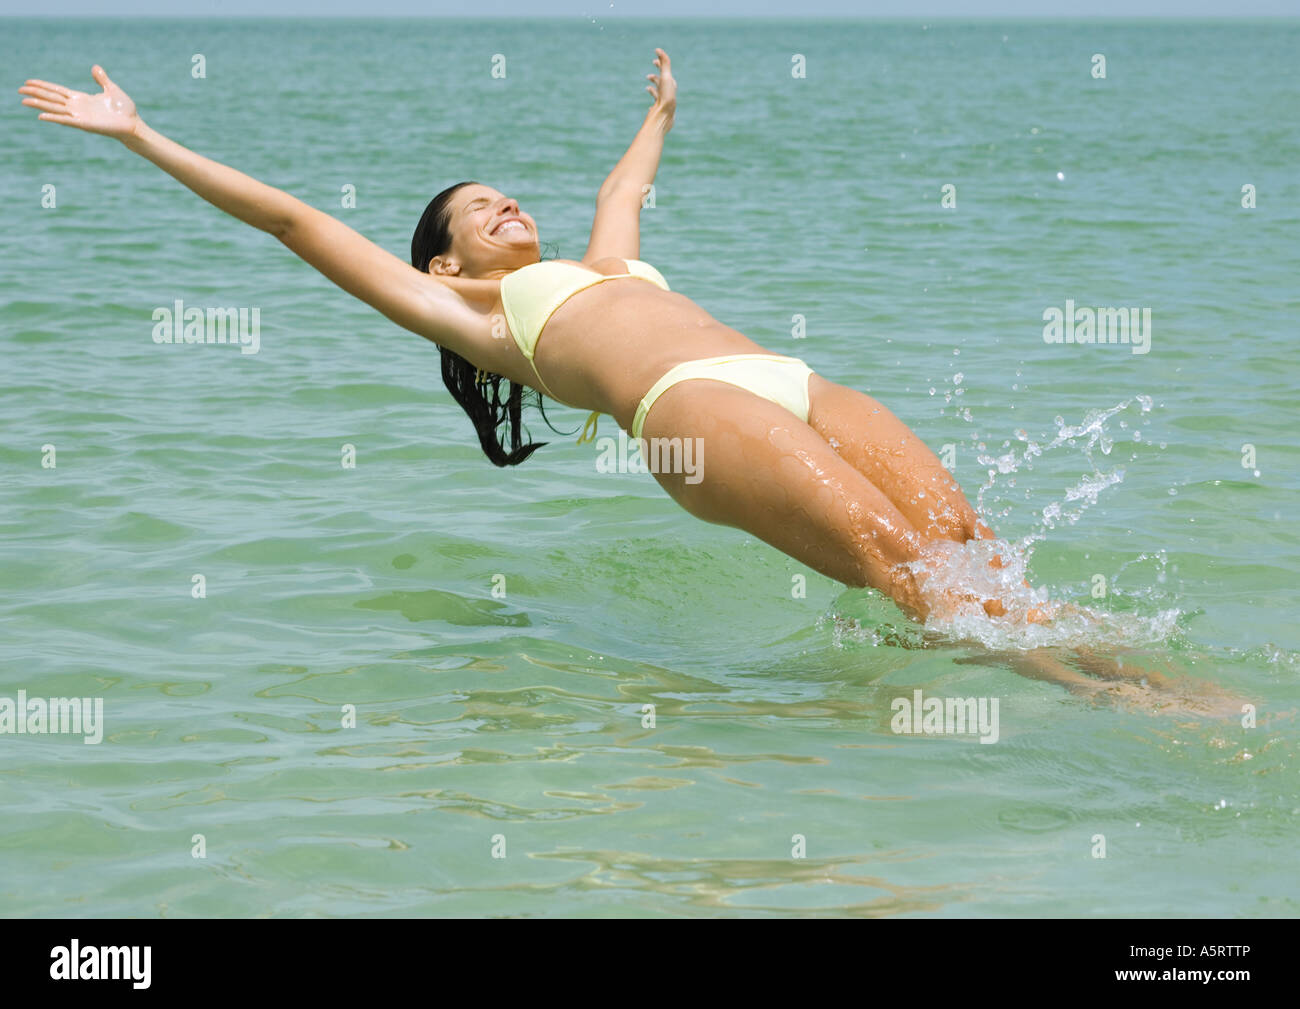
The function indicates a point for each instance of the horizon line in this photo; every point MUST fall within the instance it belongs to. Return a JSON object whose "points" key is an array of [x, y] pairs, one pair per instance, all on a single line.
{"points": [[897, 19]]}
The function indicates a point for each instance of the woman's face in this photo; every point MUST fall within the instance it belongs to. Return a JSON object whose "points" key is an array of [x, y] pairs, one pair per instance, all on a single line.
{"points": [[489, 233]]}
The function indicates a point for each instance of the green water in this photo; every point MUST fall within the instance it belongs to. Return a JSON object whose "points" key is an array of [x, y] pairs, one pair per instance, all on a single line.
{"points": [[520, 717]]}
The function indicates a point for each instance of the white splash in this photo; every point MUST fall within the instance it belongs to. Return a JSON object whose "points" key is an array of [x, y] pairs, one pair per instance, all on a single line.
{"points": [[957, 580]]}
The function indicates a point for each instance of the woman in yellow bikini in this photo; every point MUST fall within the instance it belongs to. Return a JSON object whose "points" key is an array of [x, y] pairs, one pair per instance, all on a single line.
{"points": [[817, 470]]}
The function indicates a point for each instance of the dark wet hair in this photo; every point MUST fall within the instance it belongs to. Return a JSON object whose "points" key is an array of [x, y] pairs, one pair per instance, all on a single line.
{"points": [[478, 392]]}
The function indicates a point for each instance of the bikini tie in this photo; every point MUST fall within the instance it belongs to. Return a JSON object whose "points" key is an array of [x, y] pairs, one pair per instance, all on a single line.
{"points": [[589, 428]]}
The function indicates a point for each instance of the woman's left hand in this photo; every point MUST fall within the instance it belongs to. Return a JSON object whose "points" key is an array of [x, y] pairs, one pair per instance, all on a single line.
{"points": [[663, 89]]}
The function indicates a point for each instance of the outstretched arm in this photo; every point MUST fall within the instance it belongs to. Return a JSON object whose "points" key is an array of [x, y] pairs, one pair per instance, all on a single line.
{"points": [[616, 230], [411, 299]]}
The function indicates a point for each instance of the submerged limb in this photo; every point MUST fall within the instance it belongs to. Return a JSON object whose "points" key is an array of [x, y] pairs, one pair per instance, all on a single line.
{"points": [[1104, 678], [1040, 664], [1111, 667]]}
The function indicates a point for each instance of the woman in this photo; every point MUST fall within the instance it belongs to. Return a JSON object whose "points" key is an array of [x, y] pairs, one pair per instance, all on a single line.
{"points": [[820, 471]]}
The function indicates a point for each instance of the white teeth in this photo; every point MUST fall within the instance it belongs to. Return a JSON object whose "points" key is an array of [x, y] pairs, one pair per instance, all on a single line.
{"points": [[508, 225]]}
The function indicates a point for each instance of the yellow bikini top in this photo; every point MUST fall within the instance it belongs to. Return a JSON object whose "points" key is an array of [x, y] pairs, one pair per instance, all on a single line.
{"points": [[531, 294]]}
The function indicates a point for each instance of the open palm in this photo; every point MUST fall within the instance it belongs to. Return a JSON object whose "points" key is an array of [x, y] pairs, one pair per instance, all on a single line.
{"points": [[111, 112]]}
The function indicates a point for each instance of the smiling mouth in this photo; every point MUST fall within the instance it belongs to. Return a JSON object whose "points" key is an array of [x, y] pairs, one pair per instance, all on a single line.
{"points": [[509, 224]]}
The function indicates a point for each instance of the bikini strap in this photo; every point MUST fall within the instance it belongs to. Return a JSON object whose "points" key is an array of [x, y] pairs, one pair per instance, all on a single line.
{"points": [[589, 428]]}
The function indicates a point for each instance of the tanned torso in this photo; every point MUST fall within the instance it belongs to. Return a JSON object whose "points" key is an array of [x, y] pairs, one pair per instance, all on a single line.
{"points": [[608, 344]]}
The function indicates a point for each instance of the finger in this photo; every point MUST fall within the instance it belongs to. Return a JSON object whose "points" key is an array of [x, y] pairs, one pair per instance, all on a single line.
{"points": [[44, 106], [101, 77], [52, 118], [59, 88], [46, 93]]}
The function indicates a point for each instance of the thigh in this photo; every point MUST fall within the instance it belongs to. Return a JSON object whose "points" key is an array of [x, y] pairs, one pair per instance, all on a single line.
{"points": [[763, 470], [889, 454]]}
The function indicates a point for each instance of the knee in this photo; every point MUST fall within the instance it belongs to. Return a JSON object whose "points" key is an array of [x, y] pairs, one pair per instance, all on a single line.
{"points": [[951, 527], [960, 527], [883, 560]]}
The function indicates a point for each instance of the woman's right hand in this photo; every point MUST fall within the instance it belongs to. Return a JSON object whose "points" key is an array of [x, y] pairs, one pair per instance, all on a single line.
{"points": [[111, 112]]}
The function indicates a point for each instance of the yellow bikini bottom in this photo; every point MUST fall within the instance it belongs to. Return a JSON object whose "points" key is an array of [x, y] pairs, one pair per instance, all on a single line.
{"points": [[781, 380]]}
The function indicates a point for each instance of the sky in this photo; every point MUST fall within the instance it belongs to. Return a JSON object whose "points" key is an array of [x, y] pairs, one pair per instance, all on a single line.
{"points": [[653, 8]]}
